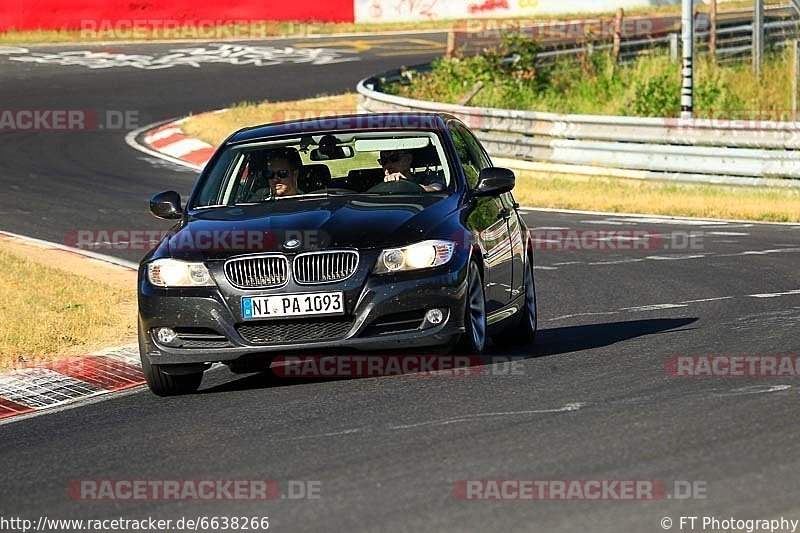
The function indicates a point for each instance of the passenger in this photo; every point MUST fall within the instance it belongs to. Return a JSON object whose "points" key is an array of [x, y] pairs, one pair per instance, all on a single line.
{"points": [[397, 166]]}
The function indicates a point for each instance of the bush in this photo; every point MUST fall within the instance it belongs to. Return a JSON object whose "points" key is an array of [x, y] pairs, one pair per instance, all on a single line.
{"points": [[594, 84]]}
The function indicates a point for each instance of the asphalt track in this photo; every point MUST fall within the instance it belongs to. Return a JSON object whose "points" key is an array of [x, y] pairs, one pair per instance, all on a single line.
{"points": [[591, 400]]}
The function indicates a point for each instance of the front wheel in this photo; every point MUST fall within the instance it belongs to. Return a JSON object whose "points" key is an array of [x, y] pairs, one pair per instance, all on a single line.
{"points": [[474, 339], [163, 384]]}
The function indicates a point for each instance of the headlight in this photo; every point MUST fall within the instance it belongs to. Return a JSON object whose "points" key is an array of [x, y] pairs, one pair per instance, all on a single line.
{"points": [[173, 273], [426, 254]]}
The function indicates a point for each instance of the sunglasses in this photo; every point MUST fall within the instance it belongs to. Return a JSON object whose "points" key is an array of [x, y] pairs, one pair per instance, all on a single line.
{"points": [[279, 174], [394, 158]]}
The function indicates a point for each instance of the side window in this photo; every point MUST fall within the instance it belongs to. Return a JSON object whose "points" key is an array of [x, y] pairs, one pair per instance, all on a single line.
{"points": [[478, 153], [470, 164]]}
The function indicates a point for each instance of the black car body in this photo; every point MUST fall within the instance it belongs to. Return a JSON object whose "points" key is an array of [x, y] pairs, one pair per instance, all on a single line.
{"points": [[336, 240]]}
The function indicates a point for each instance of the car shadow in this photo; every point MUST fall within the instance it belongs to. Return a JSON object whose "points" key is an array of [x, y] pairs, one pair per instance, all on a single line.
{"points": [[556, 341], [549, 342]]}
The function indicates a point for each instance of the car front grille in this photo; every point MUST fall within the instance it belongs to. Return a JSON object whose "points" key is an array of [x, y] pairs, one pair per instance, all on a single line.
{"points": [[275, 332], [324, 267], [257, 272]]}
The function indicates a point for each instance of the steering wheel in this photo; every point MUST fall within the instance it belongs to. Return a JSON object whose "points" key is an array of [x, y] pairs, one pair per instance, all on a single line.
{"points": [[397, 187]]}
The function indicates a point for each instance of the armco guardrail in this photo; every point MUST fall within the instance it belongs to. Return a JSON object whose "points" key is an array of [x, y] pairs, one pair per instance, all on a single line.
{"points": [[757, 153], [638, 35]]}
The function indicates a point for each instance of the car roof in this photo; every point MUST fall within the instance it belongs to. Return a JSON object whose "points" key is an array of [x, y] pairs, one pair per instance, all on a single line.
{"points": [[354, 122]]}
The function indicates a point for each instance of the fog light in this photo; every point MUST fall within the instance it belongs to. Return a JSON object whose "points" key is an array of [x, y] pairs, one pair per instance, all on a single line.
{"points": [[434, 316], [165, 335]]}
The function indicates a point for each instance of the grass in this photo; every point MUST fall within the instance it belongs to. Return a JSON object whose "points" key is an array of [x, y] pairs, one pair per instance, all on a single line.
{"points": [[649, 87], [287, 29], [47, 312], [615, 195], [214, 128]]}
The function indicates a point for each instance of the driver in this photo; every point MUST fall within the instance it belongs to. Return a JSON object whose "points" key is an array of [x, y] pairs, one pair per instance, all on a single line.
{"points": [[397, 166], [282, 172]]}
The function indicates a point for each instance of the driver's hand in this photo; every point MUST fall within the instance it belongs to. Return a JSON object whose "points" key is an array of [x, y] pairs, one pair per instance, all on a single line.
{"points": [[397, 176]]}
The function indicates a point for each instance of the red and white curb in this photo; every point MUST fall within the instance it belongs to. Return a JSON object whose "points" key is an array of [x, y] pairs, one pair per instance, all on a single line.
{"points": [[71, 379], [168, 141]]}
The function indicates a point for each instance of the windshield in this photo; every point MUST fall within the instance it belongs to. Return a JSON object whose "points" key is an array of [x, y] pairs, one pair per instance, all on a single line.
{"points": [[384, 163]]}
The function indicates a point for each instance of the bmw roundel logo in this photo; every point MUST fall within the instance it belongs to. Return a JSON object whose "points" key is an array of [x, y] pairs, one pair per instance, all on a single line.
{"points": [[292, 244]]}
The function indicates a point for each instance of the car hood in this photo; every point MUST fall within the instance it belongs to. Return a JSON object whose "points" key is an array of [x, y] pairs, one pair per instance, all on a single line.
{"points": [[308, 224]]}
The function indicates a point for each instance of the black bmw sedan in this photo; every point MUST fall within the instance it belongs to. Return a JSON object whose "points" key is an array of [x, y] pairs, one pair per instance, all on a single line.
{"points": [[363, 232]]}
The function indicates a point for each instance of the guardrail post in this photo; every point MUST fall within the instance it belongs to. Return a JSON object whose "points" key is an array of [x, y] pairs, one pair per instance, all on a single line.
{"points": [[451, 44], [618, 33], [687, 67], [712, 37], [795, 77], [758, 37], [674, 46]]}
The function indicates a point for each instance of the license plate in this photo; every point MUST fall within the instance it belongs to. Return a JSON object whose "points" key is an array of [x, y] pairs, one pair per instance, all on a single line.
{"points": [[327, 303]]}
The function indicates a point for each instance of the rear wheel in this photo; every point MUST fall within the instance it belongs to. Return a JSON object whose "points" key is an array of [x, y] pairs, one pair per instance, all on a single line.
{"points": [[162, 383], [474, 339], [528, 316]]}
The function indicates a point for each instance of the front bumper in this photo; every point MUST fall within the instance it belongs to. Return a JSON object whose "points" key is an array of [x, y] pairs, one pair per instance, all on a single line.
{"points": [[369, 299]]}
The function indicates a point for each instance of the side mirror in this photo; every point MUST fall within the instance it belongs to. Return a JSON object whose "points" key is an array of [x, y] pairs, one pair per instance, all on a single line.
{"points": [[494, 182], [166, 205]]}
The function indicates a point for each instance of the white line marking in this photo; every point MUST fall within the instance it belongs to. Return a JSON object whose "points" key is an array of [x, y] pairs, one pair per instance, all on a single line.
{"points": [[775, 294], [729, 233], [749, 223], [287, 37], [674, 257], [655, 307], [564, 317], [100, 257], [708, 300], [764, 252], [570, 407], [618, 262], [607, 223], [12, 50], [331, 434], [755, 389]]}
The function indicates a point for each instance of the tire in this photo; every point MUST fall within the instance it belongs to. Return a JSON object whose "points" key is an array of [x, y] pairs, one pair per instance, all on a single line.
{"points": [[163, 384], [473, 341], [529, 317]]}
